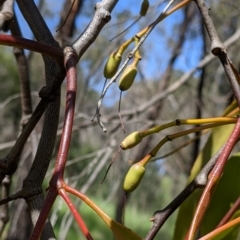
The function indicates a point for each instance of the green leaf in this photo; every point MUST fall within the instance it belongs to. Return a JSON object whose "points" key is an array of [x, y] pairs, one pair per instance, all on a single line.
{"points": [[120, 232]]}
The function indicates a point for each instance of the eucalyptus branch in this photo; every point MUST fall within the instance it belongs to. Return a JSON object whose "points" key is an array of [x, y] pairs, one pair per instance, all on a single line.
{"points": [[56, 182], [36, 22], [218, 231], [76, 215], [102, 16]]}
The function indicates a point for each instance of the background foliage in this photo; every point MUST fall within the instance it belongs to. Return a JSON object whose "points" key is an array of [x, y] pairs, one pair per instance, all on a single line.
{"points": [[173, 49]]}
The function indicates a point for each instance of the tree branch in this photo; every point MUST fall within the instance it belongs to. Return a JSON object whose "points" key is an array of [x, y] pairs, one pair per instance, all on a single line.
{"points": [[101, 17]]}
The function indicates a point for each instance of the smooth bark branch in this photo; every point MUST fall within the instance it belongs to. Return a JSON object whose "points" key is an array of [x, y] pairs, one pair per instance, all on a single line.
{"points": [[231, 76], [218, 48], [101, 17], [54, 73]]}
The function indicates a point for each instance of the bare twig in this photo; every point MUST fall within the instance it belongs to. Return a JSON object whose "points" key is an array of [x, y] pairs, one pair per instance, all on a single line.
{"points": [[101, 17], [218, 48], [67, 21]]}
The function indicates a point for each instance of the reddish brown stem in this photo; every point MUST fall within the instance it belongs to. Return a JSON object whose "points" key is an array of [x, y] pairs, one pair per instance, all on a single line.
{"points": [[56, 181], [71, 75], [43, 48]]}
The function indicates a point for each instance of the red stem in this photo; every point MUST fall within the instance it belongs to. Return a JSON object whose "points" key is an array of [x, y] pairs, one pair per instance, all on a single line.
{"points": [[43, 48], [71, 76], [75, 213], [56, 182]]}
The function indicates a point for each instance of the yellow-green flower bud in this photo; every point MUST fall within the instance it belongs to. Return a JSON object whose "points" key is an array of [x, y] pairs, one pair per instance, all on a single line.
{"points": [[133, 177], [127, 77], [144, 7], [131, 140], [112, 65]]}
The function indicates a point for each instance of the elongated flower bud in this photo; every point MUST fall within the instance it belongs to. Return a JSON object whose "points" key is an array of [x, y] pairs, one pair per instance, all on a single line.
{"points": [[112, 65], [127, 77], [144, 7], [131, 140], [133, 177]]}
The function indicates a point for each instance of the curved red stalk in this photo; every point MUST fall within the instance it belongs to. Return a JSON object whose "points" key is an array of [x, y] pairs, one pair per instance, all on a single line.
{"points": [[56, 181], [70, 61], [75, 213]]}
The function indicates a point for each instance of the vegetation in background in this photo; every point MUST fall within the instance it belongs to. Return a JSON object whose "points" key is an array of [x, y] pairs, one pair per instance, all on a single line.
{"points": [[174, 65]]}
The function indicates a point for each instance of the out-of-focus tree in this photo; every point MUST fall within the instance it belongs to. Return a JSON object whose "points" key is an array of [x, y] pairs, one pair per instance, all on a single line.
{"points": [[178, 77]]}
